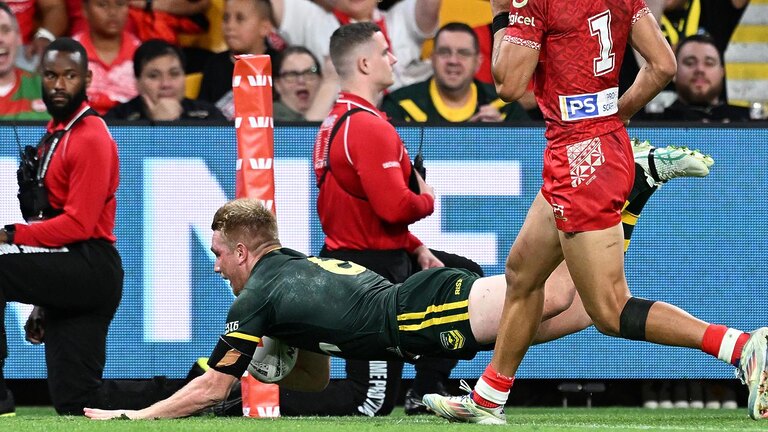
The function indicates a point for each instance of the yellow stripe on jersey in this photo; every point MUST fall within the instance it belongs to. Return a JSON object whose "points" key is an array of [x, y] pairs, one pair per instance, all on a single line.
{"points": [[433, 309], [498, 104], [413, 111], [435, 321], [244, 336], [629, 218]]}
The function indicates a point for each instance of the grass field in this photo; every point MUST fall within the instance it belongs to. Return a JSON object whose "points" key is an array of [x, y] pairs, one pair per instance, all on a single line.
{"points": [[520, 419]]}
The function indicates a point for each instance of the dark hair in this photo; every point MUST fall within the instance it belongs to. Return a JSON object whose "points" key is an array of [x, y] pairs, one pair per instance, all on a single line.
{"points": [[153, 49], [293, 49], [345, 39], [703, 38], [7, 9], [458, 27], [68, 45]]}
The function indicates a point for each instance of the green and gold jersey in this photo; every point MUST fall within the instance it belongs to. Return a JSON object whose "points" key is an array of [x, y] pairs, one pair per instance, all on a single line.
{"points": [[342, 309], [421, 103], [25, 100], [433, 314], [323, 305]]}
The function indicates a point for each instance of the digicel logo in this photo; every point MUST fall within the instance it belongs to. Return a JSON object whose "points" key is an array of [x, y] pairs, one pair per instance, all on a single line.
{"points": [[515, 18]]}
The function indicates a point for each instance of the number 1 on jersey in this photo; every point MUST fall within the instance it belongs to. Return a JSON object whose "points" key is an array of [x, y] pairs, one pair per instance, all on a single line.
{"points": [[600, 26]]}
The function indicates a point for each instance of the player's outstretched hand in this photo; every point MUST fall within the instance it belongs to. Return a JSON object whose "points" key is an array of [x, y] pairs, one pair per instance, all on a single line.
{"points": [[100, 414]]}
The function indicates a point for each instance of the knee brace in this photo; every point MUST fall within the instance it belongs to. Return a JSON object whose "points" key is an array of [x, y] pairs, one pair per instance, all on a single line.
{"points": [[633, 318]]}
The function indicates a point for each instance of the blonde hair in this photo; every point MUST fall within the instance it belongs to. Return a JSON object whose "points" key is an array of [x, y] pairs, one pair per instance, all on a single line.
{"points": [[246, 221]]}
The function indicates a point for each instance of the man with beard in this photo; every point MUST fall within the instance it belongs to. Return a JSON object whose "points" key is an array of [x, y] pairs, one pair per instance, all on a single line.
{"points": [[64, 259], [452, 94], [699, 83]]}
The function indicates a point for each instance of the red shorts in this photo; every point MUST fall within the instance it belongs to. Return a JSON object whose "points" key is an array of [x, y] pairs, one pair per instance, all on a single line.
{"points": [[587, 182]]}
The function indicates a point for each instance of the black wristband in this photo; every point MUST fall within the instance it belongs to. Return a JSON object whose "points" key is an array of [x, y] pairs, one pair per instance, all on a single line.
{"points": [[500, 22], [148, 6], [10, 232]]}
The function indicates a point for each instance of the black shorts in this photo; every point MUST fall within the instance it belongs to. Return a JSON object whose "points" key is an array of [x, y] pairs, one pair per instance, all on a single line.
{"points": [[433, 314]]}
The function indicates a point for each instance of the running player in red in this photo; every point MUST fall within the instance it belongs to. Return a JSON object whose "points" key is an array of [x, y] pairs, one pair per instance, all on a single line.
{"points": [[573, 52]]}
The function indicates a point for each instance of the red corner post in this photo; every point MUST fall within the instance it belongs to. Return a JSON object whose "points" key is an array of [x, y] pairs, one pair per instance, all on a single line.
{"points": [[252, 91], [255, 178]]}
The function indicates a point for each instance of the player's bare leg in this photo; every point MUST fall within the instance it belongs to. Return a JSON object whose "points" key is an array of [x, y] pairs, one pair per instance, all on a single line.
{"points": [[533, 257], [596, 266], [569, 321], [486, 303], [596, 263]]}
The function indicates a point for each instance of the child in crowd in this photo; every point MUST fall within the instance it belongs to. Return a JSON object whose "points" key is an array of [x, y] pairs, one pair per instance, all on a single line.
{"points": [[110, 49], [159, 70], [246, 26]]}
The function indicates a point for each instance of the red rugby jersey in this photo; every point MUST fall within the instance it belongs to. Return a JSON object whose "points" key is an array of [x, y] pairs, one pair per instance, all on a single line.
{"points": [[582, 44]]}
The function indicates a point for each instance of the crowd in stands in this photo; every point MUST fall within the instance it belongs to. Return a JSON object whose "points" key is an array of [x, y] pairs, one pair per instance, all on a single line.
{"points": [[447, 81]]}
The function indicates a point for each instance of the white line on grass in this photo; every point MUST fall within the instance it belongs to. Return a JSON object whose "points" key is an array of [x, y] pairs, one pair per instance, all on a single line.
{"points": [[630, 427]]}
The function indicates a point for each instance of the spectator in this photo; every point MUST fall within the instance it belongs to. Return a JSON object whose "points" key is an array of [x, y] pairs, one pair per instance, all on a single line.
{"points": [[159, 70], [684, 18], [304, 92], [699, 84], [406, 26], [71, 268], [110, 50], [174, 7], [247, 23], [452, 94], [20, 91], [40, 22]]}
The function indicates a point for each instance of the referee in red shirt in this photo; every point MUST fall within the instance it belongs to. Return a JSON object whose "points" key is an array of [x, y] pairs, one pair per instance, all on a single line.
{"points": [[365, 206], [64, 260]]}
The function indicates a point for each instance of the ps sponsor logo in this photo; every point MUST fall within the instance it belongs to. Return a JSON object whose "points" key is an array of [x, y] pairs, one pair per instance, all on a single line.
{"points": [[516, 18], [589, 105], [581, 106]]}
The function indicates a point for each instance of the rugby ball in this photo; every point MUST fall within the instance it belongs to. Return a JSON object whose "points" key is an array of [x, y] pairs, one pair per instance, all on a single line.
{"points": [[273, 360]]}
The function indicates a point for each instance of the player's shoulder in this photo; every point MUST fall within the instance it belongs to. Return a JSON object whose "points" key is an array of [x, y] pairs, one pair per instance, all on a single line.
{"points": [[369, 123]]}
